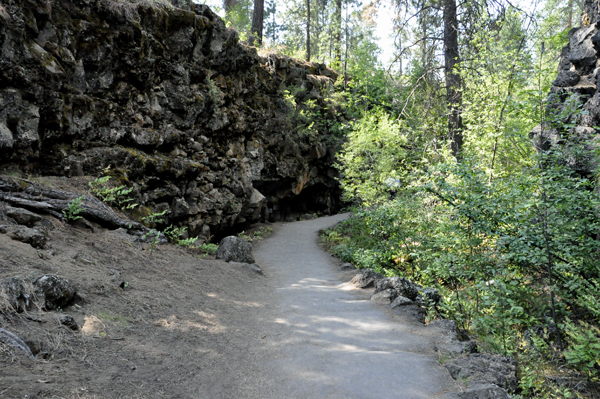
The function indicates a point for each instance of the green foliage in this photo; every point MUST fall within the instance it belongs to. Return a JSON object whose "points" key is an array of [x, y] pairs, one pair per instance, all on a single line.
{"points": [[584, 349], [154, 218], [374, 155], [174, 234], [114, 196], [239, 18], [256, 235], [209, 248], [73, 209]]}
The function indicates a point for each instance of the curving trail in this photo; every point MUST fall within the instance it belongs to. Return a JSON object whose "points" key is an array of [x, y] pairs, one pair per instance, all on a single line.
{"points": [[327, 340]]}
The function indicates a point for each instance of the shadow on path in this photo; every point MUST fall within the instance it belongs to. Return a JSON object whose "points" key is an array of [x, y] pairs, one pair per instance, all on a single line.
{"points": [[329, 340]]}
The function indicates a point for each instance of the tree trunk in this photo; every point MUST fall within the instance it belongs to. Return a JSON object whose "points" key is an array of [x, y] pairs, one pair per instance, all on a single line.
{"points": [[337, 36], [570, 11], [257, 23], [307, 30], [453, 79], [229, 5]]}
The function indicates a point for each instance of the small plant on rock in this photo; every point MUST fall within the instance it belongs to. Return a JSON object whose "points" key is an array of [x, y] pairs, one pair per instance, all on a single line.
{"points": [[73, 209], [210, 249], [116, 196], [174, 234]]}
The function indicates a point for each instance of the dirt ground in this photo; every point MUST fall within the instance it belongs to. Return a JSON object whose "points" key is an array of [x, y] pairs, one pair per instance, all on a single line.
{"points": [[166, 323]]}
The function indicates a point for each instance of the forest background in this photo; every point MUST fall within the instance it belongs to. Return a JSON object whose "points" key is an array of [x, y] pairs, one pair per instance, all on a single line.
{"points": [[463, 173]]}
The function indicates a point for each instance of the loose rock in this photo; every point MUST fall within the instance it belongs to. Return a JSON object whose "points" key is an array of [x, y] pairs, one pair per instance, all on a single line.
{"points": [[401, 301], [480, 391], [484, 368], [68, 321], [384, 297], [235, 249], [54, 291], [29, 236], [254, 268], [347, 266], [401, 285], [366, 278]]}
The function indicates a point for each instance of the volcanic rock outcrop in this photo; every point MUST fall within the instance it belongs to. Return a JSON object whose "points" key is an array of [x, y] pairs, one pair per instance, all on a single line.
{"points": [[167, 101], [574, 100]]}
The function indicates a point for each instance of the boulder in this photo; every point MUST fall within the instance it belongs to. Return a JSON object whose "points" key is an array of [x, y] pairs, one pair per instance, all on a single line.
{"points": [[54, 291], [235, 249], [347, 266], [366, 278], [484, 369], [480, 391], [14, 292], [401, 301], [401, 285], [13, 341], [29, 236], [448, 341], [384, 297]]}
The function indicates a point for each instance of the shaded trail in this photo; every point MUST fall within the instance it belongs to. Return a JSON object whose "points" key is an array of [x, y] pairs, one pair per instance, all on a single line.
{"points": [[329, 341]]}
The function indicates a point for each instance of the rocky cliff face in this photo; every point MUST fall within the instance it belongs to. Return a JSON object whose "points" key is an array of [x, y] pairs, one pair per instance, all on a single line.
{"points": [[574, 98], [170, 101]]}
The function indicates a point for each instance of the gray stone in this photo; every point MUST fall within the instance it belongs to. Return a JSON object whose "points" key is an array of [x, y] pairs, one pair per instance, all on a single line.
{"points": [[401, 285], [253, 268], [384, 297], [581, 49], [23, 216], [14, 292], [366, 278], [13, 341], [484, 368], [484, 391], [68, 321], [235, 249], [29, 236], [54, 291], [6, 137], [401, 301], [347, 266], [479, 391]]}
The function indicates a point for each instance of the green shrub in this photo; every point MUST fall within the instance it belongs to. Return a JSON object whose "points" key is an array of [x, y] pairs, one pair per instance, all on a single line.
{"points": [[73, 209]]}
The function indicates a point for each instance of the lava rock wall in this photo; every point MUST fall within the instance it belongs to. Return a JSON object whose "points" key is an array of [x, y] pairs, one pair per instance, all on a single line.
{"points": [[574, 99], [166, 100]]}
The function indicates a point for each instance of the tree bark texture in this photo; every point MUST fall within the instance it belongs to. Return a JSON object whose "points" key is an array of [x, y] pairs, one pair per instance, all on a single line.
{"points": [[307, 30], [229, 5], [453, 79], [337, 37], [257, 22]]}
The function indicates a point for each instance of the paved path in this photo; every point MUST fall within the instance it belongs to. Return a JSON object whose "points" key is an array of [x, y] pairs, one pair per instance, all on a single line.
{"points": [[330, 340]]}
